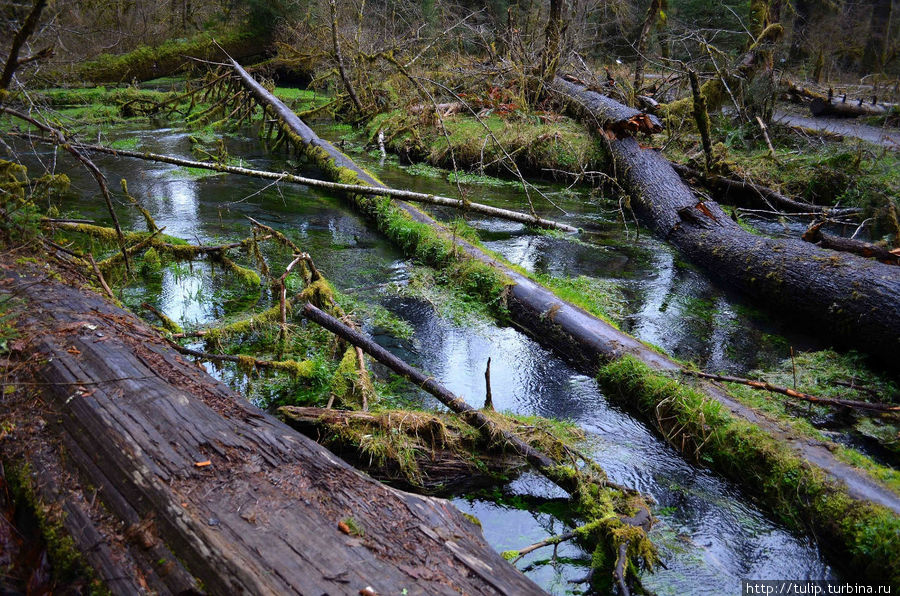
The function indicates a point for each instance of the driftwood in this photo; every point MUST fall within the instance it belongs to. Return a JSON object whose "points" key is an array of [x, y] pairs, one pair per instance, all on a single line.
{"points": [[244, 502], [791, 275], [825, 401], [868, 250], [842, 108], [743, 193]]}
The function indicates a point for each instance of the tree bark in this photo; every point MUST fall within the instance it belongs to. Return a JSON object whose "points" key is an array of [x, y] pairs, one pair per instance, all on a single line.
{"points": [[244, 502], [649, 20], [579, 336], [867, 250], [841, 108], [19, 39], [879, 34], [850, 300]]}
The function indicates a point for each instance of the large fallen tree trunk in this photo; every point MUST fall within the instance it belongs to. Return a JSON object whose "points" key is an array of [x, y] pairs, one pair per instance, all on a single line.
{"points": [[590, 342], [234, 498], [841, 108], [850, 300]]}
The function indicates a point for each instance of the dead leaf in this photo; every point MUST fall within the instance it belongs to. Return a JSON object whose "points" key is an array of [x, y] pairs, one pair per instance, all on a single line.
{"points": [[705, 211]]}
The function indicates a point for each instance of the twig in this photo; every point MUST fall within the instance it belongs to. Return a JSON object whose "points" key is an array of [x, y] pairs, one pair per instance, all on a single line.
{"points": [[99, 275], [766, 386]]}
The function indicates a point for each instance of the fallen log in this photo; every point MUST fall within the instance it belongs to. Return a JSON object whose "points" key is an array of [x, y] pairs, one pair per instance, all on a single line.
{"points": [[766, 386], [589, 342], [244, 502], [434, 455], [841, 108], [815, 235], [742, 193], [624, 533], [603, 112], [796, 277], [409, 195]]}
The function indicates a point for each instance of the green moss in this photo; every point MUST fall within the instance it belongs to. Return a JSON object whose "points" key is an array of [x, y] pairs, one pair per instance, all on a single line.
{"points": [[67, 562], [354, 526], [797, 492]]}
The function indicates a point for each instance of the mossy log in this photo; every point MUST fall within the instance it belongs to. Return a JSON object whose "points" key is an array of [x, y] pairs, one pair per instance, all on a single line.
{"points": [[241, 502], [589, 341], [434, 453], [850, 300]]}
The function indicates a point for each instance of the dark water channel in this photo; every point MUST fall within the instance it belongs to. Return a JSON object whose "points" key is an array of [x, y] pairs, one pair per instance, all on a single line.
{"points": [[710, 534]]}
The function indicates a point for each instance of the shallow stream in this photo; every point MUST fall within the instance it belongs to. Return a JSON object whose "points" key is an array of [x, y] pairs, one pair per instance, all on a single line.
{"points": [[710, 533]]}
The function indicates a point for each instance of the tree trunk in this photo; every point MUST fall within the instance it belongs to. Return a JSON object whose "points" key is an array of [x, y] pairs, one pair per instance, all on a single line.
{"points": [[843, 108], [583, 338], [649, 20], [879, 34], [550, 57], [850, 300], [217, 486], [19, 39]]}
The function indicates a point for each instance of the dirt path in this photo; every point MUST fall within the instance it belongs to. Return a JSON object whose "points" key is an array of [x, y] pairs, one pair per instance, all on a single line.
{"points": [[886, 137]]}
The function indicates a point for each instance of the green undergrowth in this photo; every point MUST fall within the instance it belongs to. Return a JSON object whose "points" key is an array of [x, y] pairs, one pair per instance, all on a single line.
{"points": [[535, 145], [829, 374], [602, 298], [866, 535], [849, 172]]}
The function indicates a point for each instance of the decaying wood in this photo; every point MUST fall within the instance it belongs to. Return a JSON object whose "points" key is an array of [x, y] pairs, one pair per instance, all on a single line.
{"points": [[791, 275], [743, 193], [573, 481], [245, 502], [825, 401], [571, 331], [446, 462], [602, 112], [868, 250], [842, 108]]}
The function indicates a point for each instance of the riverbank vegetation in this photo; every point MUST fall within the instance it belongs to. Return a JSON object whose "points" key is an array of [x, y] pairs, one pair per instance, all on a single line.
{"points": [[475, 94]]}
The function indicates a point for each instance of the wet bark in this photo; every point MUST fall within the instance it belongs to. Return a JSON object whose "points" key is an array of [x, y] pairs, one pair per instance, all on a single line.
{"points": [[243, 502], [850, 300], [579, 336]]}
